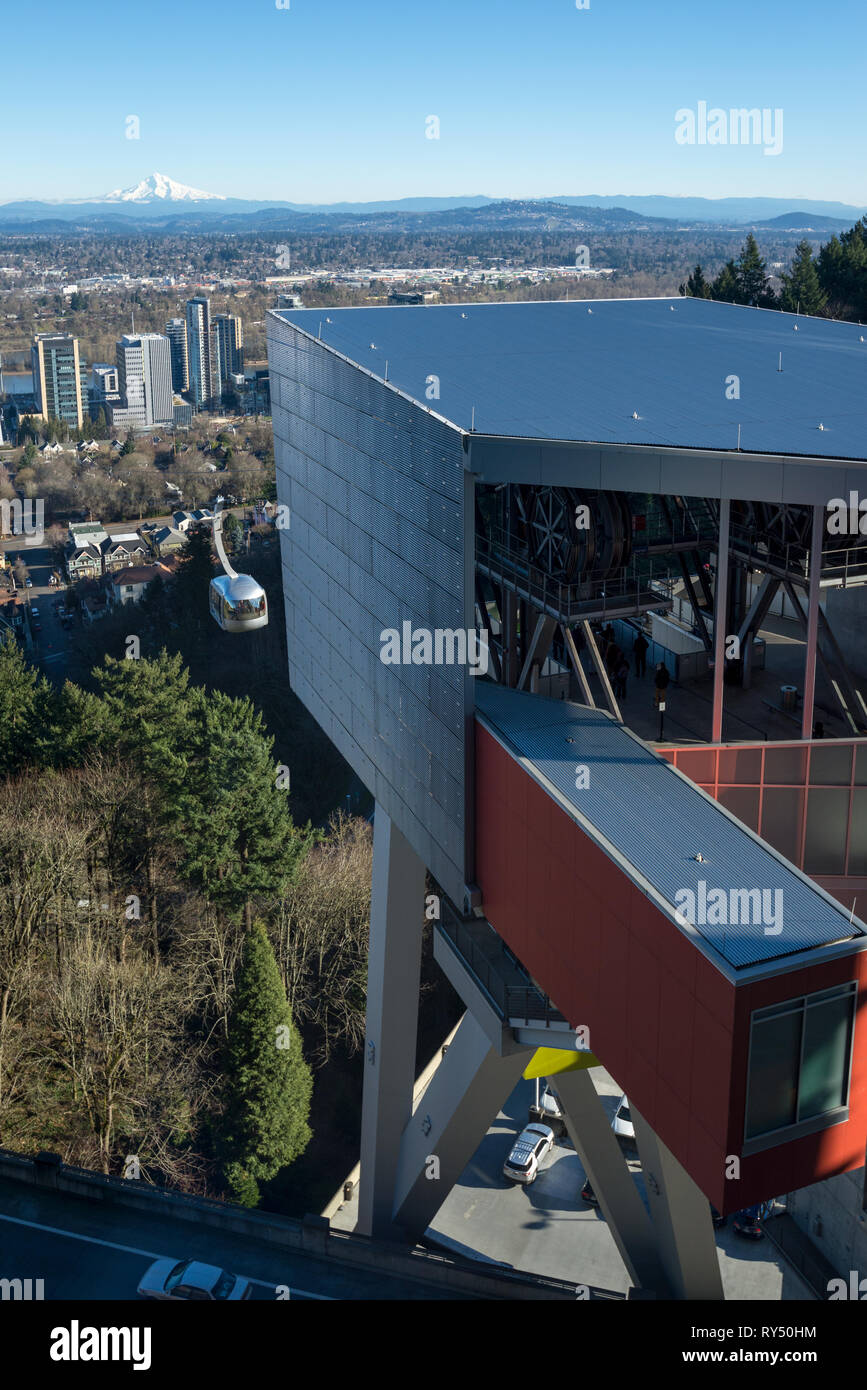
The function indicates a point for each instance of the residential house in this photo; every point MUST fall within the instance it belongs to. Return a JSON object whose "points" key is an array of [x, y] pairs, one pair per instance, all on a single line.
{"points": [[183, 520], [162, 540], [122, 550], [83, 562], [128, 586]]}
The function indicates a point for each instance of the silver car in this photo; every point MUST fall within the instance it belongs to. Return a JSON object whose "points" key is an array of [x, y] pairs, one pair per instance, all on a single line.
{"points": [[188, 1279], [527, 1153]]}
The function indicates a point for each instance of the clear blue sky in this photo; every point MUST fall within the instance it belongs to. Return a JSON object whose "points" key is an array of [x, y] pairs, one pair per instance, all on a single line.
{"points": [[327, 100]]}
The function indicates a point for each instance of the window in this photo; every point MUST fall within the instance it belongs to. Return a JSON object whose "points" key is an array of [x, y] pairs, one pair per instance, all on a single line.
{"points": [[798, 1078]]}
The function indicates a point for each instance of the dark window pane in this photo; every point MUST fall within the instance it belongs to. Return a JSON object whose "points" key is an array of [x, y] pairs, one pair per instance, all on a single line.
{"points": [[787, 766], [831, 764], [858, 834], [861, 764], [826, 1057], [825, 846], [743, 802], [740, 766], [776, 1046], [781, 821]]}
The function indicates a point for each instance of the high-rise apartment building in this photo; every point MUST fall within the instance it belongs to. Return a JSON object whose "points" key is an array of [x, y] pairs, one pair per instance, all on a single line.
{"points": [[176, 332], [200, 352], [57, 378], [231, 335]]}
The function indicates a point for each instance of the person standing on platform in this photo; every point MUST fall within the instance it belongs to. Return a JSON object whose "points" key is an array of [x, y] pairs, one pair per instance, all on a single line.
{"points": [[639, 650], [661, 680]]}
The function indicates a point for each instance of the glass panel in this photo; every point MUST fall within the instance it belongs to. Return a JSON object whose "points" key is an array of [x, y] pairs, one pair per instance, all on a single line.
{"points": [[697, 765], [774, 1055], [781, 820], [858, 833], [826, 1057], [861, 765], [743, 802], [786, 766], [831, 764], [742, 766], [825, 847]]}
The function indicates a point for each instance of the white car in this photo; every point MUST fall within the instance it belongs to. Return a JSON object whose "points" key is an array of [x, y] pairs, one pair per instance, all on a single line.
{"points": [[622, 1122], [549, 1104], [188, 1279], [527, 1153]]}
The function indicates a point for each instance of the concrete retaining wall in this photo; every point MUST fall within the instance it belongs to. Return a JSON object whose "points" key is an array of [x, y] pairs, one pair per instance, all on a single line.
{"points": [[312, 1235]]}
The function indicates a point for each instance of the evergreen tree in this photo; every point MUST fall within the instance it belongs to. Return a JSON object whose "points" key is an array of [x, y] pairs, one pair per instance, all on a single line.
{"points": [[801, 287], [842, 267], [754, 287], [268, 1083], [25, 705], [725, 286], [238, 835], [190, 586], [696, 286]]}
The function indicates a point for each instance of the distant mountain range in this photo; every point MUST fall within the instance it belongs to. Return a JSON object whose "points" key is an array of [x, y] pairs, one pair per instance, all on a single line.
{"points": [[159, 201]]}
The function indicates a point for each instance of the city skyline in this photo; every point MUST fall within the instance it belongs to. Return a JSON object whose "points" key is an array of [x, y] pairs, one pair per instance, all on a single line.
{"points": [[506, 100]]}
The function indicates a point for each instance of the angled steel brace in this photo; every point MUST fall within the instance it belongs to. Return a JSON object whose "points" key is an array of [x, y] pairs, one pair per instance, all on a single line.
{"points": [[601, 672], [537, 648], [572, 650]]}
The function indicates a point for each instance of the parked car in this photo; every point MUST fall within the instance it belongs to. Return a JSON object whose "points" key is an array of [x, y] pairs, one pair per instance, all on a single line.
{"points": [[746, 1223], [588, 1195], [622, 1122], [716, 1218], [549, 1111], [527, 1152], [193, 1281]]}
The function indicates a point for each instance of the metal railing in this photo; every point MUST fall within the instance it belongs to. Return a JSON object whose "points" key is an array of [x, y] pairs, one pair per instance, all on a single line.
{"points": [[633, 586], [510, 1001]]}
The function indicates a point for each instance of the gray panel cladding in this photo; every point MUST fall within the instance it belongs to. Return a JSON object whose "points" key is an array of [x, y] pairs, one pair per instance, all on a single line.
{"points": [[376, 489]]}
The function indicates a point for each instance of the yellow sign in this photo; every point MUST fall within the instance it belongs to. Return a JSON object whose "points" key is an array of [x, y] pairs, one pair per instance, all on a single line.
{"points": [[548, 1061]]}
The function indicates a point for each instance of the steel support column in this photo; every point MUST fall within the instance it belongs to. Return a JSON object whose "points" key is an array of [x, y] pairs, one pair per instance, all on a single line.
{"points": [[812, 620], [602, 1159], [394, 962], [451, 1120], [721, 587], [681, 1219]]}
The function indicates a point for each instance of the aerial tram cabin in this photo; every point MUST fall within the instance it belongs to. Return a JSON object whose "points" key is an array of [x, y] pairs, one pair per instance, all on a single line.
{"points": [[238, 604]]}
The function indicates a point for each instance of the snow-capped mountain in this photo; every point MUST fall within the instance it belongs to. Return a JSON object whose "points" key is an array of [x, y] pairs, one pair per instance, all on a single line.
{"points": [[158, 187]]}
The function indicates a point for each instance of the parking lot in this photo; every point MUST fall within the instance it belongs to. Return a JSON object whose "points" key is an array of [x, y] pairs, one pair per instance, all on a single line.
{"points": [[546, 1227]]}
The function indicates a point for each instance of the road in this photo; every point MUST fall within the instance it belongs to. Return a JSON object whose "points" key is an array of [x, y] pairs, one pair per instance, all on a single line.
{"points": [[92, 1250]]}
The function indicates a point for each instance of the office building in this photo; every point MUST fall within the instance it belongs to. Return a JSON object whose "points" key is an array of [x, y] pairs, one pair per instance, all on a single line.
{"points": [[144, 379], [57, 378]]}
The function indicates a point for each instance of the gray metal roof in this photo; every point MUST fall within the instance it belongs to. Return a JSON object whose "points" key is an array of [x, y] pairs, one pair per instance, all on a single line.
{"points": [[657, 821], [580, 370]]}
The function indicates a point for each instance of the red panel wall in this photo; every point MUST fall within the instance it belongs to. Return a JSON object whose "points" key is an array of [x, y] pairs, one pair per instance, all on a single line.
{"points": [[669, 1027]]}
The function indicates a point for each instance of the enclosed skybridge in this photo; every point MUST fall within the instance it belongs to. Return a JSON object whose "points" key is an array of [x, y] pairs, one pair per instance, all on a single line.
{"points": [[719, 984]]}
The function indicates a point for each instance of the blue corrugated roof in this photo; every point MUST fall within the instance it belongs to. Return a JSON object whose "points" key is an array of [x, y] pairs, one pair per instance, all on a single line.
{"points": [[658, 821], [579, 371]]}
